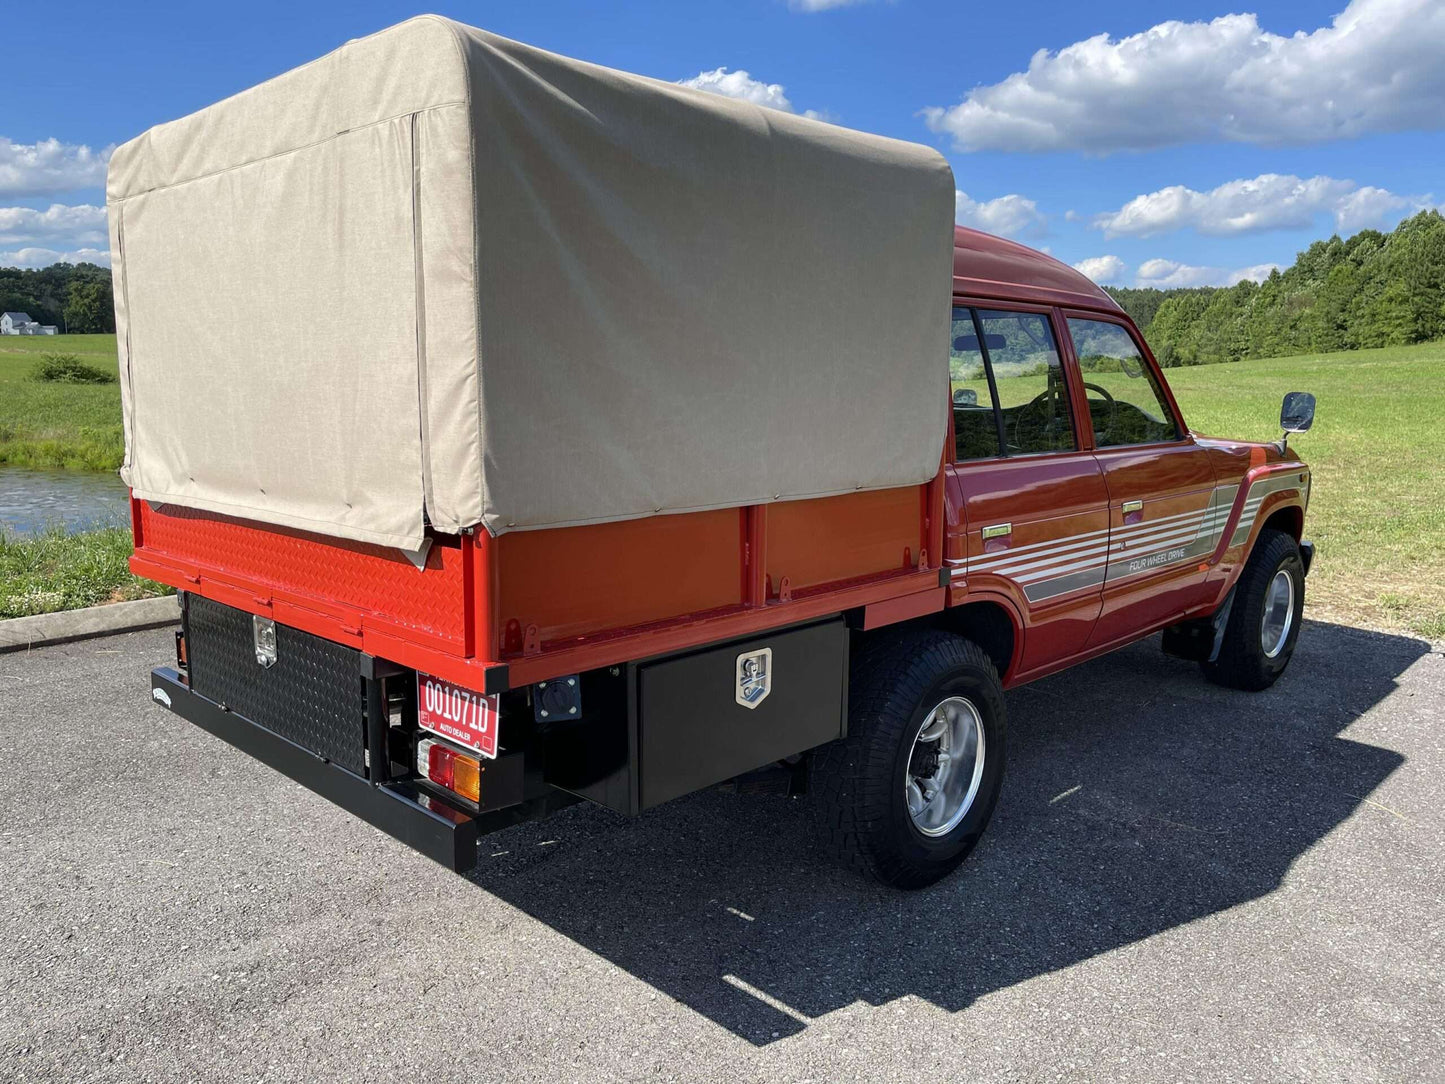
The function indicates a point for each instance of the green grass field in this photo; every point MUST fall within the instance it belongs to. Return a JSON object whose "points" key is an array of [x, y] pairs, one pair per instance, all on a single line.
{"points": [[1377, 509], [1377, 456], [58, 425]]}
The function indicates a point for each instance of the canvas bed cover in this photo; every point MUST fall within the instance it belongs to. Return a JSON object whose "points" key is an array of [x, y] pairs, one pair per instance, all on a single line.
{"points": [[441, 274]]}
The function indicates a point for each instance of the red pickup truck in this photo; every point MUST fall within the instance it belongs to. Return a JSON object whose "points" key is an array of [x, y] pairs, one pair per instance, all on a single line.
{"points": [[864, 641], [599, 463]]}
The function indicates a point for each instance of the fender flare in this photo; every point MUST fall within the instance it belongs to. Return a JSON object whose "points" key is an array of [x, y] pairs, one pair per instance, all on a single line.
{"points": [[1279, 486], [1010, 607]]}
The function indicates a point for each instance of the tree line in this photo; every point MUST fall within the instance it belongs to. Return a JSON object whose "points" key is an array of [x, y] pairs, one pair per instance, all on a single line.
{"points": [[1375, 289], [75, 297]]}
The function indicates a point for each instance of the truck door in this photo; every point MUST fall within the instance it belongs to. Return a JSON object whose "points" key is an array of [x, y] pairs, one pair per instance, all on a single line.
{"points": [[1035, 522], [1164, 514]]}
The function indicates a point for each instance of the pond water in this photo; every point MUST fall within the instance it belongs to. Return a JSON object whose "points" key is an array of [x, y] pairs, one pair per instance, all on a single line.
{"points": [[32, 500]]}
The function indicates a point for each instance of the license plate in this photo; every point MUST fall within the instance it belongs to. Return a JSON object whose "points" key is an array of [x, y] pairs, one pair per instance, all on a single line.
{"points": [[458, 714]]}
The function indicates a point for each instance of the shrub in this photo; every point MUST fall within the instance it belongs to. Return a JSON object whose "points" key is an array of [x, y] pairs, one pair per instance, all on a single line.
{"points": [[69, 369]]}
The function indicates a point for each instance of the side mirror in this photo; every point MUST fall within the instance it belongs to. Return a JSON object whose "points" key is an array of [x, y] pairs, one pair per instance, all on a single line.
{"points": [[1295, 416], [1131, 367], [1298, 412]]}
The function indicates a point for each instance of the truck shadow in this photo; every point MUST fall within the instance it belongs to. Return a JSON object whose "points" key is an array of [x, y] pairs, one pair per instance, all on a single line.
{"points": [[1138, 798]]}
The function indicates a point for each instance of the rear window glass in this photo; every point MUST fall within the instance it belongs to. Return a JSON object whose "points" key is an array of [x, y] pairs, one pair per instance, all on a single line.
{"points": [[975, 430]]}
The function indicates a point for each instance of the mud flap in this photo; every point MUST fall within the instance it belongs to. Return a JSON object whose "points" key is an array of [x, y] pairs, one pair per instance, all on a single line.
{"points": [[1200, 640]]}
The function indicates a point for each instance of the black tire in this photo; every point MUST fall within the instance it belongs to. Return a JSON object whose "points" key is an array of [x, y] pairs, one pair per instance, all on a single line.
{"points": [[859, 783], [1243, 662]]}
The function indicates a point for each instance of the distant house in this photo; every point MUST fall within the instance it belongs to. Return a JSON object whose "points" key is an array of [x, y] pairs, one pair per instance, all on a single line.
{"points": [[19, 323]]}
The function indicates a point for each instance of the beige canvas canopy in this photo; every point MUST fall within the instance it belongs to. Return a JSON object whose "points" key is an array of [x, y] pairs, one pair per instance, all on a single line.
{"points": [[440, 273]]}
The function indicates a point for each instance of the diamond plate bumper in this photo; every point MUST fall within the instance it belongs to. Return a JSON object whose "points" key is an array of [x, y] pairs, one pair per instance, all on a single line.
{"points": [[419, 820]]}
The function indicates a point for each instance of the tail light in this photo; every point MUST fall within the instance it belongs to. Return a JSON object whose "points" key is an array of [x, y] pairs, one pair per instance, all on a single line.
{"points": [[448, 768]]}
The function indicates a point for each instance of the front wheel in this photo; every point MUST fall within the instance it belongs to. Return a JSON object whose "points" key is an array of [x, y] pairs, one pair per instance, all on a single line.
{"points": [[906, 796], [1264, 622]]}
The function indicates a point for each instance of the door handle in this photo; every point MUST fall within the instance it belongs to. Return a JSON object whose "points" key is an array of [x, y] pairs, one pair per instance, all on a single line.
{"points": [[998, 537], [1130, 507]]}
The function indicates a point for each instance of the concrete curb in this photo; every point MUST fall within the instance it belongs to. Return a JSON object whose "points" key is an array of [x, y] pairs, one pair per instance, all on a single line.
{"points": [[20, 633]]}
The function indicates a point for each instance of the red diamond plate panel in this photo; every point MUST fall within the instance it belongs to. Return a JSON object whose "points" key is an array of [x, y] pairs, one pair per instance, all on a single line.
{"points": [[372, 579]]}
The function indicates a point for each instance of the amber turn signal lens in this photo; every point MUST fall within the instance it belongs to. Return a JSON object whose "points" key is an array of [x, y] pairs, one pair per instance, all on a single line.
{"points": [[467, 778]]}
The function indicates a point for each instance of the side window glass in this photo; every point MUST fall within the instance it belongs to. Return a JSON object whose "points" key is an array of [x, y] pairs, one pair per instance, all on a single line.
{"points": [[1126, 404], [975, 431], [1033, 397]]}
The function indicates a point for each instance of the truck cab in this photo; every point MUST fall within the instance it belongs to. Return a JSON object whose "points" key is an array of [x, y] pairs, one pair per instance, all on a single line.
{"points": [[1078, 499]]}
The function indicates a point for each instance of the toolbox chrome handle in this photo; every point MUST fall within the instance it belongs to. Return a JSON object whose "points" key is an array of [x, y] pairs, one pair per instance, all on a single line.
{"points": [[998, 530]]}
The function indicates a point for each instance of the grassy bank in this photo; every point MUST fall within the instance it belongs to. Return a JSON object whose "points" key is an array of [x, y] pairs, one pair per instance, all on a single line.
{"points": [[58, 571], [74, 426], [1377, 507]]}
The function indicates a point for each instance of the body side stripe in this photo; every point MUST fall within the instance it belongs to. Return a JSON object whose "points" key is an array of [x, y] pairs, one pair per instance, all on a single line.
{"points": [[1010, 557], [1057, 566]]}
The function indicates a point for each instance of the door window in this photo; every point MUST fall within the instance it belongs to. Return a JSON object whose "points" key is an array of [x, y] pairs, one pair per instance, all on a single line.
{"points": [[1007, 384], [1033, 399], [1126, 403]]}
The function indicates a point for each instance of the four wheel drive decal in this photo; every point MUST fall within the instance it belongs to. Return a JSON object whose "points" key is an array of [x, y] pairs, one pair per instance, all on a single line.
{"points": [[1047, 569]]}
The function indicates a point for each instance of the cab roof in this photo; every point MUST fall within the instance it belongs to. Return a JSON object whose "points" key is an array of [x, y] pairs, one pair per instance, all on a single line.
{"points": [[989, 266]]}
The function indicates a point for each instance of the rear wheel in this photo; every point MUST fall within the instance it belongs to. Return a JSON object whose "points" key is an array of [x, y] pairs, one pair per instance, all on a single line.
{"points": [[1264, 622], [906, 796]]}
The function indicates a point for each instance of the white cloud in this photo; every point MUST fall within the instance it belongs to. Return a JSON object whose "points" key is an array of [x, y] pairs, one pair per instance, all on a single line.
{"points": [[822, 5], [744, 87], [1256, 273], [1008, 216], [1102, 269], [1271, 201], [741, 85], [1167, 274], [39, 169], [44, 257], [1377, 67], [1370, 206], [80, 224]]}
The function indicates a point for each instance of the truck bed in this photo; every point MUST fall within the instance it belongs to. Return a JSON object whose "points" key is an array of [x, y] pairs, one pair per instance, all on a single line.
{"points": [[496, 613]]}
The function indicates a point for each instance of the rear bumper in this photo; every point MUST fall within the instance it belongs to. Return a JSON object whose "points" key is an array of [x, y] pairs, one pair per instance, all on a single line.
{"points": [[1307, 554], [419, 820]]}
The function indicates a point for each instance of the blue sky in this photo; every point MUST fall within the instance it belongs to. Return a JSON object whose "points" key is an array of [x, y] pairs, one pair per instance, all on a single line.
{"points": [[1179, 143]]}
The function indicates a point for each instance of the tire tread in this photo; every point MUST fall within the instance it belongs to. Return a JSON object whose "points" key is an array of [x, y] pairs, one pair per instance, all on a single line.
{"points": [[1239, 663], [852, 777]]}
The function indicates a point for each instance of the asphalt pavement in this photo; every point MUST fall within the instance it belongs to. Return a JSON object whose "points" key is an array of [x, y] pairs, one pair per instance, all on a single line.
{"points": [[1181, 883]]}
